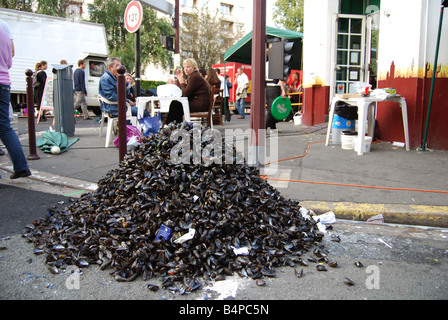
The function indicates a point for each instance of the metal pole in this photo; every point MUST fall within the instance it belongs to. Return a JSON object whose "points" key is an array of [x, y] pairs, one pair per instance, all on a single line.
{"points": [[31, 125], [436, 61], [257, 139], [176, 28], [137, 63], [121, 81]]}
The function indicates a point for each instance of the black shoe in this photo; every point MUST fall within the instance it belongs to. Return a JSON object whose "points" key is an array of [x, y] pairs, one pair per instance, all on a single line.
{"points": [[20, 174], [2, 153]]}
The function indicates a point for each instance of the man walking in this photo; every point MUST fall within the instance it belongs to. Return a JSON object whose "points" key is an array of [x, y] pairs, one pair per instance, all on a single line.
{"points": [[80, 89], [242, 83]]}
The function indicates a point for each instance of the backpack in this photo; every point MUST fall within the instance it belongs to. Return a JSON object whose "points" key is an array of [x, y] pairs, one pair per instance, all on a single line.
{"points": [[36, 83]]}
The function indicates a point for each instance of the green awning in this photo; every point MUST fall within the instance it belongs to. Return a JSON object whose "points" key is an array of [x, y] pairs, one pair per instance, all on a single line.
{"points": [[242, 51]]}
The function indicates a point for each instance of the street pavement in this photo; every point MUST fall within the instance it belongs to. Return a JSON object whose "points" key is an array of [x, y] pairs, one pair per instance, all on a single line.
{"points": [[358, 187], [400, 261]]}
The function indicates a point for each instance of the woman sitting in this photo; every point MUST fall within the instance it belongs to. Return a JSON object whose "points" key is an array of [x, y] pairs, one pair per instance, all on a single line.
{"points": [[212, 79], [195, 88]]}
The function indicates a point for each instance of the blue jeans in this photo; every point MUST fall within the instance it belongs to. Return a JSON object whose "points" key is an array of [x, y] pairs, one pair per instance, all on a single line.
{"points": [[240, 105], [7, 134]]}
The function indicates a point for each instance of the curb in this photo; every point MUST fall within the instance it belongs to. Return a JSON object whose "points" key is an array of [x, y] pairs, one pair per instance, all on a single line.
{"points": [[55, 179], [430, 216]]}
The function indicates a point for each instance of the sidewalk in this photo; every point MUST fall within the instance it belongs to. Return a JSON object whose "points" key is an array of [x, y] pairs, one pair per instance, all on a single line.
{"points": [[304, 179]]}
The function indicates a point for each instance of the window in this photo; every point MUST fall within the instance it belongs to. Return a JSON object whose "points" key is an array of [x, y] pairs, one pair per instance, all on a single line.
{"points": [[97, 68], [359, 6], [226, 25], [226, 8]]}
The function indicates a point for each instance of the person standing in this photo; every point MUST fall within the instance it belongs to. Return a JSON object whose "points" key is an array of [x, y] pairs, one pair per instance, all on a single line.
{"points": [[79, 79], [242, 83], [273, 91], [39, 86], [7, 134], [225, 94]]}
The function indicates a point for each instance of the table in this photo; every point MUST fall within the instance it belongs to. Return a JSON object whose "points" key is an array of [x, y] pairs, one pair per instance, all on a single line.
{"points": [[164, 106], [363, 104]]}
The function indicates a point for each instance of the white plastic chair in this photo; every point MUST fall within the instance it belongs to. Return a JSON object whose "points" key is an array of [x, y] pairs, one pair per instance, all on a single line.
{"points": [[111, 121]]}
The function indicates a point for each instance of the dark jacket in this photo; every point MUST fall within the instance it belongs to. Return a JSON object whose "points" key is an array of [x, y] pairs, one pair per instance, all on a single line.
{"points": [[197, 90], [41, 77], [79, 79], [109, 89]]}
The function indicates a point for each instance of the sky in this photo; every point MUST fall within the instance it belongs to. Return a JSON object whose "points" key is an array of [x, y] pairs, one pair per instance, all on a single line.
{"points": [[270, 4], [269, 11]]}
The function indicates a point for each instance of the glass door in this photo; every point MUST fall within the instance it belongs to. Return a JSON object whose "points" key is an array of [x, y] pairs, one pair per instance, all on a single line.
{"points": [[350, 52]]}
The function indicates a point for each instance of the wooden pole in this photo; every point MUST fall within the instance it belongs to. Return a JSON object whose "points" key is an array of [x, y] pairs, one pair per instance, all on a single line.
{"points": [[31, 125], [257, 139], [121, 81]]}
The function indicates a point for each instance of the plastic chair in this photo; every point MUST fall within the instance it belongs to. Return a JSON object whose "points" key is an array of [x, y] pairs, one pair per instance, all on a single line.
{"points": [[111, 121]]}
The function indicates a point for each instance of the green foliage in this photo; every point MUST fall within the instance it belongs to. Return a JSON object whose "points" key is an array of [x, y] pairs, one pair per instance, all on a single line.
{"points": [[146, 84], [122, 43], [205, 37], [289, 14], [51, 7], [16, 4], [110, 13]]}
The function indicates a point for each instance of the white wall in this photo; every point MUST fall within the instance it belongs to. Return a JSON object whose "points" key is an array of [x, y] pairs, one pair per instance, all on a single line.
{"points": [[408, 37], [317, 41]]}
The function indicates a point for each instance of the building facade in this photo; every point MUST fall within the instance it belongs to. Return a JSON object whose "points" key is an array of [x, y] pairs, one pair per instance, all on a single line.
{"points": [[387, 43], [236, 17]]}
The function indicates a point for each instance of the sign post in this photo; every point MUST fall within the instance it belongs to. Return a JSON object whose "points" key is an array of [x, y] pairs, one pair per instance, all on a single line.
{"points": [[133, 18]]}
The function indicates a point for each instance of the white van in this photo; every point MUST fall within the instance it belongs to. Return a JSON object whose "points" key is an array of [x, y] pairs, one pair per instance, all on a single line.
{"points": [[95, 68], [40, 37]]}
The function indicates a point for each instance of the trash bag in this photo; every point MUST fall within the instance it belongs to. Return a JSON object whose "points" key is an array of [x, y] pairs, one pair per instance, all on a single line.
{"points": [[150, 125], [50, 139], [346, 111], [131, 131]]}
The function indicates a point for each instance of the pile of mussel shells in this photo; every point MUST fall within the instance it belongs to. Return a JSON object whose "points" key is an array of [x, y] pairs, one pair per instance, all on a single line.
{"points": [[227, 208]]}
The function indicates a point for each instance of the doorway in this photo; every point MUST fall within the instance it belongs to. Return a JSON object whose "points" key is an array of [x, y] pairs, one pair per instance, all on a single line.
{"points": [[350, 52]]}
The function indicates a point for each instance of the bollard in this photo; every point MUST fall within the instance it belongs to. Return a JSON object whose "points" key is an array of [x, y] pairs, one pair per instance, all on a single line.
{"points": [[31, 126], [121, 81]]}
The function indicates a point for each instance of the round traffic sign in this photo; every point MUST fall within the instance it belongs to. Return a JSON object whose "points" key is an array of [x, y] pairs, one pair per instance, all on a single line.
{"points": [[133, 16], [281, 108]]}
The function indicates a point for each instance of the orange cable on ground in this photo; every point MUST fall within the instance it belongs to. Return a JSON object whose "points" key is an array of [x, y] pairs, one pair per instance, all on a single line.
{"points": [[266, 177]]}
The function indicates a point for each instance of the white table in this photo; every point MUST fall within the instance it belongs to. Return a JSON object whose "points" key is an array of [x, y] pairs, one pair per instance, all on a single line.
{"points": [[363, 104], [164, 106]]}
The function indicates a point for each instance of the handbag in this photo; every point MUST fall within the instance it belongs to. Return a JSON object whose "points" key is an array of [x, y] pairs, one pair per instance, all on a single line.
{"points": [[132, 135]]}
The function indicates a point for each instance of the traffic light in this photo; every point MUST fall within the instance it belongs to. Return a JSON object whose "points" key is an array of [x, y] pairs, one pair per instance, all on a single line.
{"points": [[280, 59], [167, 42]]}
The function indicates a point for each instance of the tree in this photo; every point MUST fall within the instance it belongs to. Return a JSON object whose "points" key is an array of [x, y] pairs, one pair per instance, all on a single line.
{"points": [[205, 37], [289, 14], [122, 43], [16, 4], [51, 7]]}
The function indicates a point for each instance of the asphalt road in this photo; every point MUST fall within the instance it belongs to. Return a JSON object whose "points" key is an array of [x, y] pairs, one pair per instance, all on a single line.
{"points": [[399, 263]]}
